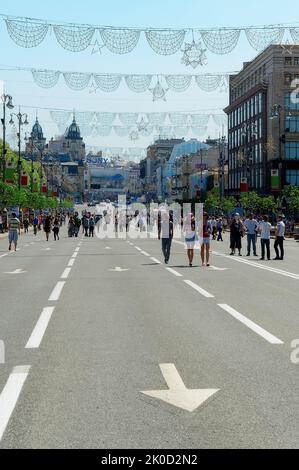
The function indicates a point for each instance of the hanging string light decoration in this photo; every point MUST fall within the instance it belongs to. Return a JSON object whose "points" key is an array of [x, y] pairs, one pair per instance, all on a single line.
{"points": [[259, 39], [142, 125], [199, 131], [26, 33], [121, 131], [178, 83], [128, 119], [102, 131], [77, 81], [178, 119], [61, 118], [165, 42], [222, 41], [74, 38], [138, 83], [106, 119], [46, 78], [208, 82], [107, 83], [134, 135], [120, 41]]}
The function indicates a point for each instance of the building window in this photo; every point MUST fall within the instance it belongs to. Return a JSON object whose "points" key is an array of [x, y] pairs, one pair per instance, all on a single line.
{"points": [[287, 78], [296, 60], [292, 124], [292, 177], [292, 150], [290, 102], [288, 60]]}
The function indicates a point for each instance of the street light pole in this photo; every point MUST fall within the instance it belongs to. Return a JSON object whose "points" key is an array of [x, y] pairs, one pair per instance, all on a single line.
{"points": [[21, 123], [7, 102]]}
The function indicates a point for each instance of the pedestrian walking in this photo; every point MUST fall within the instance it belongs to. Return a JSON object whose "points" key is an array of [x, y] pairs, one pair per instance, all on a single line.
{"points": [[14, 230], [205, 241], [71, 227], [265, 230], [251, 226], [77, 224], [91, 226], [56, 228], [47, 227], [165, 231], [220, 229], [1, 223], [26, 225], [35, 223], [213, 224], [85, 222], [236, 234], [190, 237], [279, 238]]}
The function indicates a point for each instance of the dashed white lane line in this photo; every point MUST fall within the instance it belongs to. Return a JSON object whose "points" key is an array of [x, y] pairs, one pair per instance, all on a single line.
{"points": [[144, 253], [175, 273], [77, 249], [66, 273], [71, 262], [75, 255], [250, 324], [40, 328], [199, 289], [10, 395], [155, 260], [56, 291], [137, 248], [2, 256]]}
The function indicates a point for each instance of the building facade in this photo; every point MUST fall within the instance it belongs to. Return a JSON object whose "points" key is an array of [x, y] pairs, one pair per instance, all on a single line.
{"points": [[263, 123]]}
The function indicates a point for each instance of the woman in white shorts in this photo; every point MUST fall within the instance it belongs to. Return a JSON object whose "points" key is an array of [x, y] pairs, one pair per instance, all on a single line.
{"points": [[190, 237]]}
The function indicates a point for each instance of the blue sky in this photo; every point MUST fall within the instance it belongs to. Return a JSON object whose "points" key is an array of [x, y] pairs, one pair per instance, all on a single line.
{"points": [[154, 13]]}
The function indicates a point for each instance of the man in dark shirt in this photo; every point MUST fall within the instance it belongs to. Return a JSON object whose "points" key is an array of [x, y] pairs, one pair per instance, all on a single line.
{"points": [[165, 231]]}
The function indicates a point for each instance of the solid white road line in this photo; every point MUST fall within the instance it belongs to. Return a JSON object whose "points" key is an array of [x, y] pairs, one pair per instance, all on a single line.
{"points": [[40, 328], [259, 266], [75, 255], [155, 260], [199, 289], [56, 291], [71, 262], [10, 395], [250, 324], [66, 273], [172, 271]]}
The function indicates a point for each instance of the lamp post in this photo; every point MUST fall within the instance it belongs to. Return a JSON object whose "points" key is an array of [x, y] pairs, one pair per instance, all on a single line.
{"points": [[221, 163], [276, 113], [22, 121], [7, 103], [248, 131]]}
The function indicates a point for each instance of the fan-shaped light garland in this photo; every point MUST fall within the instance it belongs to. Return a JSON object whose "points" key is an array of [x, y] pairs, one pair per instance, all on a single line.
{"points": [[28, 32]]}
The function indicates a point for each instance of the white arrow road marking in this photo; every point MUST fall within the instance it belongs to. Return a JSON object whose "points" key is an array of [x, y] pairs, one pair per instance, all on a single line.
{"points": [[17, 271], [177, 394], [10, 395], [215, 268], [118, 269]]}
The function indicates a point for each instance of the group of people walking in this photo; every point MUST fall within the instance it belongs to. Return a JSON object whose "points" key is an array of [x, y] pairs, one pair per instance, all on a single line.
{"points": [[249, 227], [87, 222]]}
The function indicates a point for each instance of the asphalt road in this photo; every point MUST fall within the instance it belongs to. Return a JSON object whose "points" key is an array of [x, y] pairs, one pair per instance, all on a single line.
{"points": [[78, 355]]}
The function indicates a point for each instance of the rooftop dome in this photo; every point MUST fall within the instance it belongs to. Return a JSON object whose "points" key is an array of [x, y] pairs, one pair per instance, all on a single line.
{"points": [[37, 131], [73, 132]]}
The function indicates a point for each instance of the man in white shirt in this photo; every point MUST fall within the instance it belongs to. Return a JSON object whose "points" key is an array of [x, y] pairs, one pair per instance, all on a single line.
{"points": [[280, 231], [265, 228], [251, 227]]}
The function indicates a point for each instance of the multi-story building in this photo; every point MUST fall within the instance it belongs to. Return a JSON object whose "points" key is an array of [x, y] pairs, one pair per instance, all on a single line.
{"points": [[263, 123]]}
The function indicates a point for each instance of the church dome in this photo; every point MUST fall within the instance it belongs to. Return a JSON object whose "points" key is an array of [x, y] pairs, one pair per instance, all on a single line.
{"points": [[73, 132], [37, 131]]}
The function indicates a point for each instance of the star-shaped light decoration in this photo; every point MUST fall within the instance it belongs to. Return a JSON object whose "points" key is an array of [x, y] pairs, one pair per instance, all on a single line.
{"points": [[142, 125], [134, 135], [159, 93], [194, 54], [97, 47], [287, 48], [92, 88]]}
